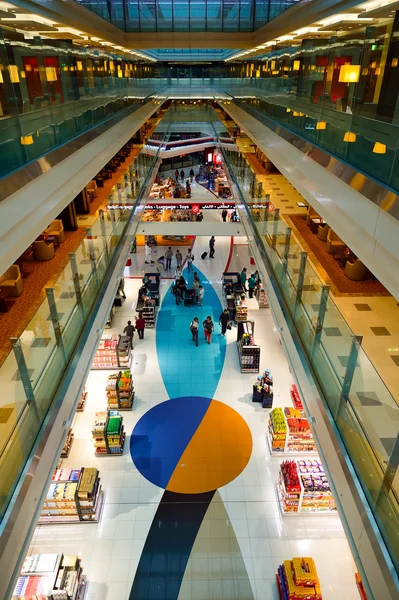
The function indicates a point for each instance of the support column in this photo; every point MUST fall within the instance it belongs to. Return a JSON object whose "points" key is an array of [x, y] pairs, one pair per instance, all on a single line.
{"points": [[301, 276], [318, 326], [75, 277], [22, 368], [275, 226], [286, 251], [351, 366], [103, 231], [54, 316]]}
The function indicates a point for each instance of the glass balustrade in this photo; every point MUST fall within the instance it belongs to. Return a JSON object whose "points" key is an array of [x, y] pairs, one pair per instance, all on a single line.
{"points": [[347, 378], [30, 375]]}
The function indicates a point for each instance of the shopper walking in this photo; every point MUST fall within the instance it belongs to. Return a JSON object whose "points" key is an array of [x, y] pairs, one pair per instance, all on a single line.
{"points": [[190, 258], [201, 293], [243, 278], [224, 215], [212, 247], [191, 174], [182, 175], [129, 332], [140, 326], [176, 174], [251, 286], [148, 254], [121, 288], [208, 329], [168, 257], [179, 258], [181, 288], [194, 327], [196, 284], [188, 188], [224, 320]]}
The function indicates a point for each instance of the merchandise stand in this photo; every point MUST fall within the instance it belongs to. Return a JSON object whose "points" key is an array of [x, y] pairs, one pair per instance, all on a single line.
{"points": [[82, 401], [261, 297], [148, 314], [113, 352], [51, 577], [295, 397], [74, 496], [241, 310], [108, 434], [120, 391], [67, 446], [262, 390], [289, 433], [248, 351], [303, 489], [297, 579]]}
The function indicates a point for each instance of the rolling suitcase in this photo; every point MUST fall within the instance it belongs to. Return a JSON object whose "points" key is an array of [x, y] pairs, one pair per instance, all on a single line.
{"points": [[204, 255]]}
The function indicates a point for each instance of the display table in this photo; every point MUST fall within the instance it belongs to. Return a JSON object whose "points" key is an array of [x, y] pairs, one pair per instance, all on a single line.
{"points": [[75, 495], [51, 577], [303, 488], [262, 390], [113, 352], [297, 579], [108, 434], [289, 433]]}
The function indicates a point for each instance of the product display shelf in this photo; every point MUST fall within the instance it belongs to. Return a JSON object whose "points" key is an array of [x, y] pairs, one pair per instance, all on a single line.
{"points": [[51, 577], [120, 391], [241, 311], [303, 489], [295, 397], [67, 446], [262, 390], [74, 496], [289, 433], [108, 434], [113, 352], [82, 401], [262, 298], [148, 314], [297, 579], [248, 351]]}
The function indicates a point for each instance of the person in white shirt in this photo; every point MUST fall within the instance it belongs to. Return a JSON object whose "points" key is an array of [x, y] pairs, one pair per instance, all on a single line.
{"points": [[190, 258]]}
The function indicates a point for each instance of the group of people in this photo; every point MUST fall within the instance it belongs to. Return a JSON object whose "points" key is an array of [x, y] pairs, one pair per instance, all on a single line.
{"points": [[130, 329], [252, 281], [207, 324], [181, 291], [234, 218]]}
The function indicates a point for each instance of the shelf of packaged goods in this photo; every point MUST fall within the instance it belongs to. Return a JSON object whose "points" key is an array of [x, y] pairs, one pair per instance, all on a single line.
{"points": [[120, 398], [82, 402], [294, 497], [249, 352], [63, 518], [68, 444], [292, 443]]}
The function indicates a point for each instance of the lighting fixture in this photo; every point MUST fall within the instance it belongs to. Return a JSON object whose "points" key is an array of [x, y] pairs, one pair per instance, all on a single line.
{"points": [[321, 125], [111, 65], [365, 71], [394, 62], [379, 148], [349, 137], [1, 77], [51, 74], [27, 140], [349, 73], [295, 114], [297, 65], [79, 65], [120, 74], [287, 110], [373, 65], [378, 71], [14, 76]]}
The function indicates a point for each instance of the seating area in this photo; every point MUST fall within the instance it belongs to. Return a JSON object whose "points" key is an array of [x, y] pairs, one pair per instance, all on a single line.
{"points": [[111, 167]]}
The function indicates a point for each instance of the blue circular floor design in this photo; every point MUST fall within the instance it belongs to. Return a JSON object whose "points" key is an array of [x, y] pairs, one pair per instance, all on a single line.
{"points": [[187, 370]]}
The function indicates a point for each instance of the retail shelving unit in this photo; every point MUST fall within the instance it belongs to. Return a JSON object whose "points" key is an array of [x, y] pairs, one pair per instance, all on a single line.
{"points": [[113, 352], [262, 298], [108, 434], [120, 391], [248, 351], [67, 446], [303, 488], [148, 314], [241, 311], [75, 495], [295, 397], [262, 390], [297, 579], [51, 577], [289, 433], [82, 401]]}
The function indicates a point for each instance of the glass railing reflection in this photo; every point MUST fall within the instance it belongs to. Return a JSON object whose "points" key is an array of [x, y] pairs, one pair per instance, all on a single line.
{"points": [[31, 374], [364, 411]]}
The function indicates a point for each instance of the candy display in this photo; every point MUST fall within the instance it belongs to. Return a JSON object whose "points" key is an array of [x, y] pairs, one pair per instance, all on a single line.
{"points": [[297, 579], [120, 390], [74, 495], [113, 352], [50, 577], [262, 390], [289, 432], [295, 397], [303, 488]]}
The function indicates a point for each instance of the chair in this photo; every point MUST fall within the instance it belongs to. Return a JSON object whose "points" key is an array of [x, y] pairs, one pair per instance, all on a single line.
{"points": [[56, 228], [91, 189], [333, 241], [311, 215], [355, 271], [322, 232], [11, 281], [43, 251]]}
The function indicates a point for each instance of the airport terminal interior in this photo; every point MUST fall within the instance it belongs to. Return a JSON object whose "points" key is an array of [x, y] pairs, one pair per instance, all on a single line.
{"points": [[199, 300]]}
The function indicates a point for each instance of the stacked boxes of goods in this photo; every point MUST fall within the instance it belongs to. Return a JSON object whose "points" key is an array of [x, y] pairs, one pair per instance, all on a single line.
{"points": [[277, 430], [289, 487], [120, 391], [89, 494], [300, 438], [296, 399], [317, 495], [98, 433], [297, 579]]}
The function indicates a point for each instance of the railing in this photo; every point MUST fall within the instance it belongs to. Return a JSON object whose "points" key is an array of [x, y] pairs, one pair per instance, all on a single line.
{"points": [[322, 124], [365, 413], [32, 372]]}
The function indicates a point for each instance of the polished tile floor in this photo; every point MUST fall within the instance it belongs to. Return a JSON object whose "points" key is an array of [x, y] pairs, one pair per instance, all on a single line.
{"points": [[243, 537]]}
